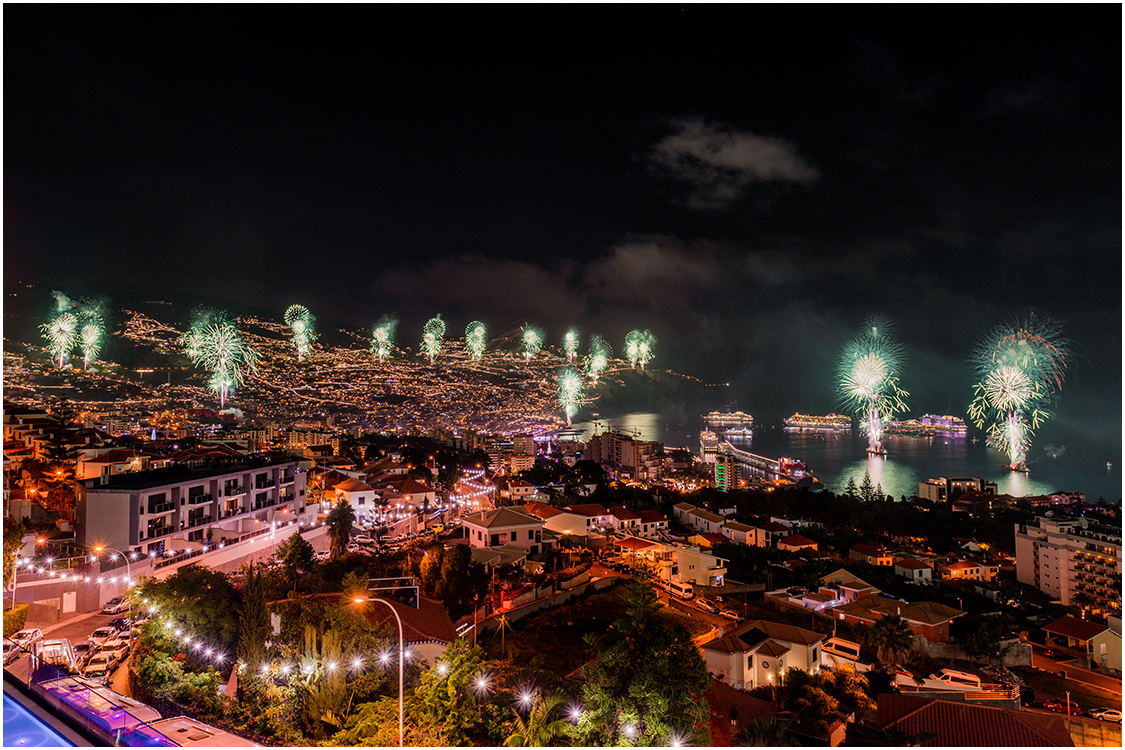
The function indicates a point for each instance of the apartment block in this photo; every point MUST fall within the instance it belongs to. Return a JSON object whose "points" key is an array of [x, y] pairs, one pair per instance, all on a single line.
{"points": [[1074, 559]]}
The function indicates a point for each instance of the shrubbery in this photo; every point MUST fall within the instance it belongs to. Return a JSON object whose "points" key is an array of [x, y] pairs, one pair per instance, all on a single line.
{"points": [[14, 619]]}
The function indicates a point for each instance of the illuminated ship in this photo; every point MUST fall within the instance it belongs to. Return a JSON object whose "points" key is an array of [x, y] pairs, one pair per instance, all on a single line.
{"points": [[810, 422]]}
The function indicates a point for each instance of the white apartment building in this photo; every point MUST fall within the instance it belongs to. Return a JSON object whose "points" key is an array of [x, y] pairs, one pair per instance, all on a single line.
{"points": [[1072, 559], [180, 507]]}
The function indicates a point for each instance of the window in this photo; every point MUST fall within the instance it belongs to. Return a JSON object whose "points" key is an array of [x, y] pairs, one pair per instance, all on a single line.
{"points": [[513, 536], [362, 500], [530, 535]]}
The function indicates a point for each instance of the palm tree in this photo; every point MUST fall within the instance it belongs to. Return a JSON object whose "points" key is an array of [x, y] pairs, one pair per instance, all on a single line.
{"points": [[340, 520], [765, 732], [539, 730], [892, 639]]}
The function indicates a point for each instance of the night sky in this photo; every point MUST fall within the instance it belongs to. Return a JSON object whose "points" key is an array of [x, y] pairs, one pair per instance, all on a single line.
{"points": [[749, 183]]}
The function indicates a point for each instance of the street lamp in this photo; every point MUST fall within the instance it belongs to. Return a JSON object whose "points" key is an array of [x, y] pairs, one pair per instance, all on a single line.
{"points": [[360, 600], [128, 570]]}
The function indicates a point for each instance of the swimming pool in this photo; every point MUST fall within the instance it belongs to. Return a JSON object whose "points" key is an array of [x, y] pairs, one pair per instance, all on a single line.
{"points": [[24, 729]]}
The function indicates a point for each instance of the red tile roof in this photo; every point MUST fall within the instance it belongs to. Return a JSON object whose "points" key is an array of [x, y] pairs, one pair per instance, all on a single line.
{"points": [[969, 725], [722, 698], [589, 510], [634, 544], [353, 485], [652, 516], [623, 514], [912, 564], [1072, 627], [796, 540], [870, 550]]}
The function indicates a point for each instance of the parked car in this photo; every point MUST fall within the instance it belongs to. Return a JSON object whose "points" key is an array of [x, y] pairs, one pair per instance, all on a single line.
{"points": [[437, 528], [1062, 707], [83, 651], [11, 652], [116, 605], [28, 638], [1106, 714], [362, 539], [121, 623], [99, 667], [707, 605], [1053, 653], [119, 647], [730, 614], [103, 634]]}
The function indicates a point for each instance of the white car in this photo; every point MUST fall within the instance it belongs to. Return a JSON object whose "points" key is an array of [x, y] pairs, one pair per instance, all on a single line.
{"points": [[363, 539], [28, 638], [705, 604], [83, 651], [115, 606], [1106, 714], [119, 647], [99, 667], [11, 652], [103, 634]]}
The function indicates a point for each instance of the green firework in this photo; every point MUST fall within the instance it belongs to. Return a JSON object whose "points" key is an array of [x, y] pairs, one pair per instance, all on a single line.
{"points": [[532, 339], [383, 337], [476, 339], [433, 337], [640, 347], [598, 358], [867, 376], [571, 392]]}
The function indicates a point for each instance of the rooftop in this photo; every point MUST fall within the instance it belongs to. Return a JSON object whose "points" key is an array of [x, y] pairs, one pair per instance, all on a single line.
{"points": [[178, 474]]}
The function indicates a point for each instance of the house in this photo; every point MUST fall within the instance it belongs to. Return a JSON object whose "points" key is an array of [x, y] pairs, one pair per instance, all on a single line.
{"points": [[707, 541], [1101, 644], [850, 587], [673, 562], [624, 520], [740, 532], [652, 523], [769, 533], [363, 498], [597, 517], [871, 554], [758, 653], [427, 628], [416, 493], [927, 619], [914, 570], [955, 724], [972, 570], [503, 526], [796, 543], [680, 512]]}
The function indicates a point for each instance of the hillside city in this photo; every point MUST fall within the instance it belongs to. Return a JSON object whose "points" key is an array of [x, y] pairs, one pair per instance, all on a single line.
{"points": [[365, 553]]}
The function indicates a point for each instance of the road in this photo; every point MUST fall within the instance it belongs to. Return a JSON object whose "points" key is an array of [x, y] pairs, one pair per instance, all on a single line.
{"points": [[1067, 663]]}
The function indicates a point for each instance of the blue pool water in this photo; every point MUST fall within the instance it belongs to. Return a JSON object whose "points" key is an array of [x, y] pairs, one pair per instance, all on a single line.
{"points": [[23, 729]]}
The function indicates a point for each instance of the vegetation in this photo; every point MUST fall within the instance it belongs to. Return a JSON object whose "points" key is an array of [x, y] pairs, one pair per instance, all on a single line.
{"points": [[202, 601], [892, 640], [646, 679], [13, 541], [540, 729], [14, 619], [818, 701], [340, 521]]}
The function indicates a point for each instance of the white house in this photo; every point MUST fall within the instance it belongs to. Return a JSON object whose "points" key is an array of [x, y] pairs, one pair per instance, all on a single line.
{"points": [[624, 520], [740, 532], [705, 521], [757, 653], [651, 524], [914, 570], [504, 526]]}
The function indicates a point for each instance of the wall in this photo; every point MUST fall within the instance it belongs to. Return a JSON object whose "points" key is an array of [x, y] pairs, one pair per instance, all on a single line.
{"points": [[1018, 655], [244, 548]]}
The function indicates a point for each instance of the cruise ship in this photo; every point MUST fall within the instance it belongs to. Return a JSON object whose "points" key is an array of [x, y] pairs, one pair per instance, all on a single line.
{"points": [[801, 422], [732, 423], [928, 425]]}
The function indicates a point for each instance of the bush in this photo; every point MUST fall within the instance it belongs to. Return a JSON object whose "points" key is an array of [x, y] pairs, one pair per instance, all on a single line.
{"points": [[14, 619]]}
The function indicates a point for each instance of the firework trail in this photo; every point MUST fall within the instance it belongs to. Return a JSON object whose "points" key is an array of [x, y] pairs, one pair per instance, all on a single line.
{"points": [[301, 322], [570, 344], [476, 338], [61, 333], [868, 380], [598, 358], [640, 347], [433, 334], [383, 337], [192, 339], [571, 392], [1021, 367], [222, 351], [532, 339], [63, 303]]}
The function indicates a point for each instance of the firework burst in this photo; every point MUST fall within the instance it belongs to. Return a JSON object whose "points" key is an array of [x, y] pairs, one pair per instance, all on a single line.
{"points": [[570, 344], [222, 351], [433, 335], [598, 358], [1021, 367], [868, 380], [640, 347], [383, 337], [476, 338], [301, 322], [61, 334], [571, 392], [532, 339], [192, 338]]}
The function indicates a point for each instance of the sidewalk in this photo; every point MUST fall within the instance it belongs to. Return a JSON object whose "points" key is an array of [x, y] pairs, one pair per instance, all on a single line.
{"points": [[1093, 679]]}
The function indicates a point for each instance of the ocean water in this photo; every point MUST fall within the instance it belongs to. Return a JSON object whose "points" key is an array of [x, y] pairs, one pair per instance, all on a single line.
{"points": [[835, 457]]}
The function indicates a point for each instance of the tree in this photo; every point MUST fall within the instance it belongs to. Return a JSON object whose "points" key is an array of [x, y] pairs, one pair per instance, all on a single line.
{"points": [[429, 570], [375, 724], [454, 588], [986, 642], [355, 585], [321, 691], [13, 541], [892, 640], [820, 700], [879, 494], [646, 677], [254, 623], [765, 732], [202, 601], [296, 554], [340, 521], [446, 699], [539, 730], [866, 488], [851, 491]]}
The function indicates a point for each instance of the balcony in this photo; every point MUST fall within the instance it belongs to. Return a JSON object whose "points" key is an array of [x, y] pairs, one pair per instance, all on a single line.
{"points": [[232, 491], [266, 503], [162, 508], [157, 532], [198, 521], [197, 499], [287, 479], [265, 485], [232, 512]]}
